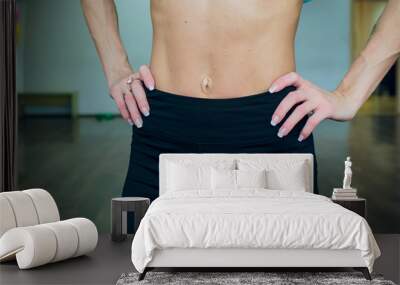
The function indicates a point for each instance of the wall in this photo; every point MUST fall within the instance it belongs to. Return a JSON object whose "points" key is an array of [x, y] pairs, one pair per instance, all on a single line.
{"points": [[59, 54], [323, 43]]}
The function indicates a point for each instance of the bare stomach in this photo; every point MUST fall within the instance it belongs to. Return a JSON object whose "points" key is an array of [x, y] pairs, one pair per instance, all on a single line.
{"points": [[222, 48]]}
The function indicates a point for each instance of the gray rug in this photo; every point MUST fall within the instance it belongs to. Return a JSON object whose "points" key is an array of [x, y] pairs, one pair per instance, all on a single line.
{"points": [[269, 278]]}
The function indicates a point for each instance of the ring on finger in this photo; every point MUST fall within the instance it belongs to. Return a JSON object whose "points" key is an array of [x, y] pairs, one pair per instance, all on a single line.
{"points": [[132, 77], [129, 80]]}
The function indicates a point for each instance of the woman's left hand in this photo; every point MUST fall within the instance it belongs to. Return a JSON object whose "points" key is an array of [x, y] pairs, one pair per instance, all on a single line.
{"points": [[316, 103]]}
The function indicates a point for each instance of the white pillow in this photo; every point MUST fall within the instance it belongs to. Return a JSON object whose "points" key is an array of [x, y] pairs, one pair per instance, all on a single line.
{"points": [[251, 178], [223, 179], [188, 175], [228, 179], [292, 179], [281, 174]]}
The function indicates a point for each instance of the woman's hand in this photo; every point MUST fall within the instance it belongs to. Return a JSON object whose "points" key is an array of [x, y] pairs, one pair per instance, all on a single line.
{"points": [[314, 102], [130, 96]]}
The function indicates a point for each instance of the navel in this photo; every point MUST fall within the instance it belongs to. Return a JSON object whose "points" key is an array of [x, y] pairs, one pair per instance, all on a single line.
{"points": [[206, 84]]}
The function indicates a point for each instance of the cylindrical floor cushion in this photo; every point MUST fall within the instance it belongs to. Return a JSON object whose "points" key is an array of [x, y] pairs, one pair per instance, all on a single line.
{"points": [[31, 230], [40, 244], [27, 208]]}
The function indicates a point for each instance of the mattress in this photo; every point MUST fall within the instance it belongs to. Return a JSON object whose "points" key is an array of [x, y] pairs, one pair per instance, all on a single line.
{"points": [[251, 218]]}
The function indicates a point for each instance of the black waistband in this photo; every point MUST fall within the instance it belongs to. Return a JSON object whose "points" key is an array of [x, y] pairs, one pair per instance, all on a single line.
{"points": [[196, 102], [204, 120]]}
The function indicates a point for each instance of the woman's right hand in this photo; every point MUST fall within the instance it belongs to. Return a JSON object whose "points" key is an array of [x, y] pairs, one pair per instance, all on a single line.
{"points": [[130, 97]]}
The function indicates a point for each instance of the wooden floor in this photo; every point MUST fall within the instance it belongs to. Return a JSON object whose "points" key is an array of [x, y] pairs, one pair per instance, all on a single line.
{"points": [[83, 163], [110, 259]]}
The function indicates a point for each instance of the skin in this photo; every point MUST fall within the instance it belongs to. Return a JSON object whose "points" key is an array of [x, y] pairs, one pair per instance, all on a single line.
{"points": [[234, 48]]}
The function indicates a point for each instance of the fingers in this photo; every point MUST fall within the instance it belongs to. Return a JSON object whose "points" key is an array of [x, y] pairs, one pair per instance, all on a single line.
{"points": [[286, 80], [140, 97], [130, 95], [285, 105], [146, 77], [313, 98], [133, 109], [311, 123], [119, 100], [127, 103], [298, 114]]}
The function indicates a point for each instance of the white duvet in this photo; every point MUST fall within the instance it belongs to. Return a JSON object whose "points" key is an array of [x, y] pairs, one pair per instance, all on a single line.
{"points": [[250, 218]]}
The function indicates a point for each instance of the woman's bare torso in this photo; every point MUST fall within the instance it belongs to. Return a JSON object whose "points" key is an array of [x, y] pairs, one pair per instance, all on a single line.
{"points": [[222, 48]]}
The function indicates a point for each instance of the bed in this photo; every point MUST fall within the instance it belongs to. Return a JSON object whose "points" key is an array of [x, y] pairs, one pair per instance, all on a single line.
{"points": [[247, 210]]}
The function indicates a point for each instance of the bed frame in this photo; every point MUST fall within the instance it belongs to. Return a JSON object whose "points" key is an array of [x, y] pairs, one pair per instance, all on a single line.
{"points": [[241, 259]]}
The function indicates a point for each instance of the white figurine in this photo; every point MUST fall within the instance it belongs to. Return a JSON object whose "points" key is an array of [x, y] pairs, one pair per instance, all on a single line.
{"points": [[347, 174]]}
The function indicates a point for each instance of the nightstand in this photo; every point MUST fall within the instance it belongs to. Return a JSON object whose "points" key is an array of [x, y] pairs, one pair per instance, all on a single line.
{"points": [[119, 210], [358, 206]]}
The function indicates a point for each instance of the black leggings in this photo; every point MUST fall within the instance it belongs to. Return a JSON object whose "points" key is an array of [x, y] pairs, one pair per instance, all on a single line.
{"points": [[183, 124]]}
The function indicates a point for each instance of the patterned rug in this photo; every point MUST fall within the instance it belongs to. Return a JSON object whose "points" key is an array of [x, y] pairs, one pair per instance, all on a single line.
{"points": [[244, 278]]}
